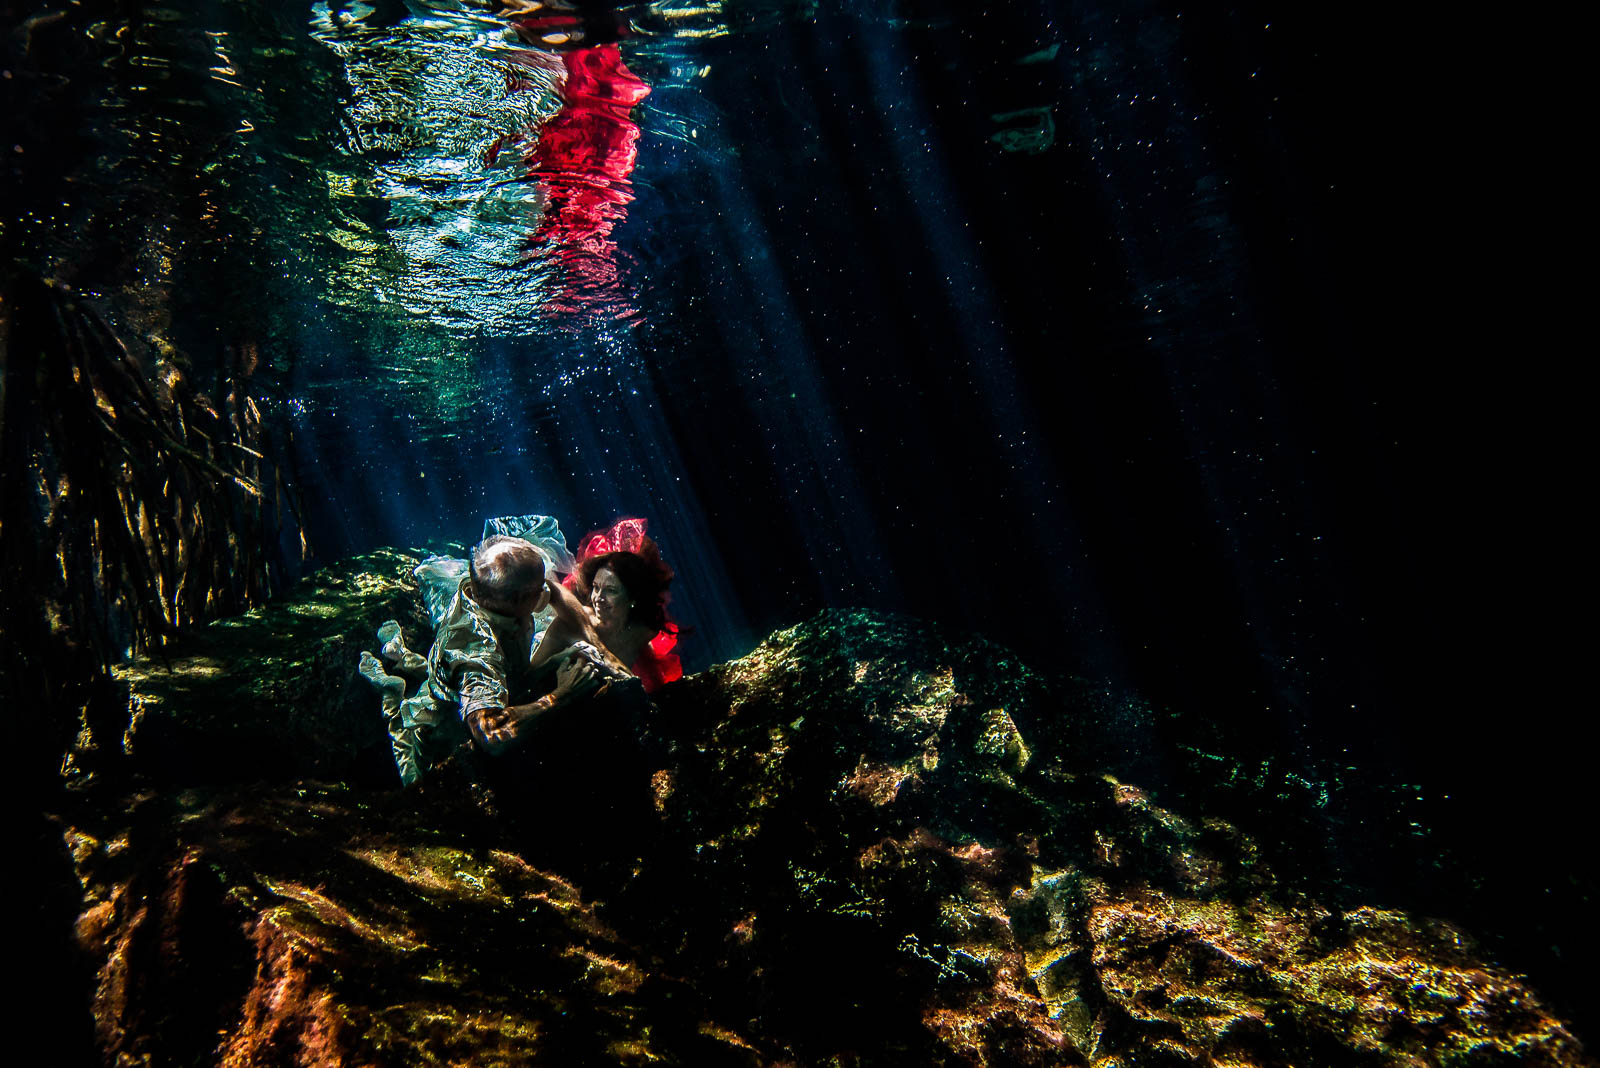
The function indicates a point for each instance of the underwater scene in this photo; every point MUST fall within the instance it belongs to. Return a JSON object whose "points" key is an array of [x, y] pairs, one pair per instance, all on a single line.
{"points": [[761, 532]]}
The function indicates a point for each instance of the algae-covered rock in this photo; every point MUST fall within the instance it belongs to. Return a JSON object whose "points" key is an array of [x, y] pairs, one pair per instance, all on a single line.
{"points": [[878, 822], [864, 843], [273, 693]]}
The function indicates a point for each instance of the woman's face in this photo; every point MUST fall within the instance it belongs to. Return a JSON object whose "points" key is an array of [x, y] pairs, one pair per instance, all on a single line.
{"points": [[608, 599]]}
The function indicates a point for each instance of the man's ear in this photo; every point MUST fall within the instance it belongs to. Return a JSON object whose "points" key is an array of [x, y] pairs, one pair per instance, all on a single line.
{"points": [[544, 599]]}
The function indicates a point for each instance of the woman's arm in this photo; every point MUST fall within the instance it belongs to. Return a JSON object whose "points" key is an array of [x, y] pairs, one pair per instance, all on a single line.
{"points": [[573, 623], [566, 605], [556, 637]]}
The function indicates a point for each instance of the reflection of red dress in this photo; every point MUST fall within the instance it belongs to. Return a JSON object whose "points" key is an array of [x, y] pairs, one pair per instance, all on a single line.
{"points": [[583, 160]]}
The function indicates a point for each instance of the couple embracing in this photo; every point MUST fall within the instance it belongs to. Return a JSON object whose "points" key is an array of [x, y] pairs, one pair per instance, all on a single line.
{"points": [[524, 632]]}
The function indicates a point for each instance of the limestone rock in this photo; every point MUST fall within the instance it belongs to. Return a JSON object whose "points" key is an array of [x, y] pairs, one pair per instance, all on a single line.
{"points": [[866, 842]]}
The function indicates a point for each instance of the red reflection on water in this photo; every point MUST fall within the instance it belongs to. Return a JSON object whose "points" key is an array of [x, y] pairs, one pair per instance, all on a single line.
{"points": [[583, 159]]}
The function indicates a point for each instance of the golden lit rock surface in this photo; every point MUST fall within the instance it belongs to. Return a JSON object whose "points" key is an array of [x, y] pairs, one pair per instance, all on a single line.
{"points": [[864, 843]]}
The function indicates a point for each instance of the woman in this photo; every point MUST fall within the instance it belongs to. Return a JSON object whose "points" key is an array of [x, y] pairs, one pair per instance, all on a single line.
{"points": [[616, 602]]}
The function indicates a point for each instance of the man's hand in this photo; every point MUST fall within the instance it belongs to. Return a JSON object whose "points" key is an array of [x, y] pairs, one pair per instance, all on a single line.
{"points": [[495, 719], [497, 729], [492, 729]]}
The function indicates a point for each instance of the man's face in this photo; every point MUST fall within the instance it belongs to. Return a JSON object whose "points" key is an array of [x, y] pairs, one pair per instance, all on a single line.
{"points": [[525, 603]]}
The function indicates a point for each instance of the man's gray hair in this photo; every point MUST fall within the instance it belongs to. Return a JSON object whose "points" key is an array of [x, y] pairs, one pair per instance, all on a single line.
{"points": [[504, 568]]}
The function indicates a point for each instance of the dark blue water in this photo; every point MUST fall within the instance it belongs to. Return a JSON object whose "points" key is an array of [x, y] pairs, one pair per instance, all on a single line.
{"points": [[1089, 327]]}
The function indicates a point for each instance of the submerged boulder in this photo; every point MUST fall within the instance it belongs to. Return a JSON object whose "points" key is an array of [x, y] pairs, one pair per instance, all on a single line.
{"points": [[867, 842], [271, 694]]}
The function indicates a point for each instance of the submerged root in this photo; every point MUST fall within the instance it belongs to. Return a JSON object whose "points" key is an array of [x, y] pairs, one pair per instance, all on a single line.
{"points": [[133, 505]]}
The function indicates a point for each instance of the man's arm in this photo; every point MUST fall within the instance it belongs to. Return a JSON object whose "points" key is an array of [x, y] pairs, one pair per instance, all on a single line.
{"points": [[497, 729]]}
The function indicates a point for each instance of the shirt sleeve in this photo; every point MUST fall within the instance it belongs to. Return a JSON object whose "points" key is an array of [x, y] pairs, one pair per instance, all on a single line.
{"points": [[469, 663], [480, 690]]}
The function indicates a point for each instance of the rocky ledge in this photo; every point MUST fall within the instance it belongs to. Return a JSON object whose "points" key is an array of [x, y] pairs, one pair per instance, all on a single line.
{"points": [[867, 842]]}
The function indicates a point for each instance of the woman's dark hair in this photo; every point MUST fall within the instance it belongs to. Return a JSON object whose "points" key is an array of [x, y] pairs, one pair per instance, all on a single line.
{"points": [[643, 574]]}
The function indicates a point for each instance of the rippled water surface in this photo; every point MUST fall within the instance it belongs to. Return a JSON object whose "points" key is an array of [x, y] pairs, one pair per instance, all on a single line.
{"points": [[461, 166], [842, 296]]}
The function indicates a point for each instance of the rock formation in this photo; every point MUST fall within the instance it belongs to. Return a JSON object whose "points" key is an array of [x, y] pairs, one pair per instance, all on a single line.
{"points": [[867, 842]]}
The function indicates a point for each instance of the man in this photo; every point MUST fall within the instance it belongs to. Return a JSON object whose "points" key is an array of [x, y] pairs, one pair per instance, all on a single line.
{"points": [[479, 662]]}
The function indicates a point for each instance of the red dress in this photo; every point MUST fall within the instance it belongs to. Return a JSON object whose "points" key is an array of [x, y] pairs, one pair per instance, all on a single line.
{"points": [[658, 664]]}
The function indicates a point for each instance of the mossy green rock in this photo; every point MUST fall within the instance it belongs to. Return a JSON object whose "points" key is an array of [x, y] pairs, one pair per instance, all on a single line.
{"points": [[867, 842], [273, 694]]}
